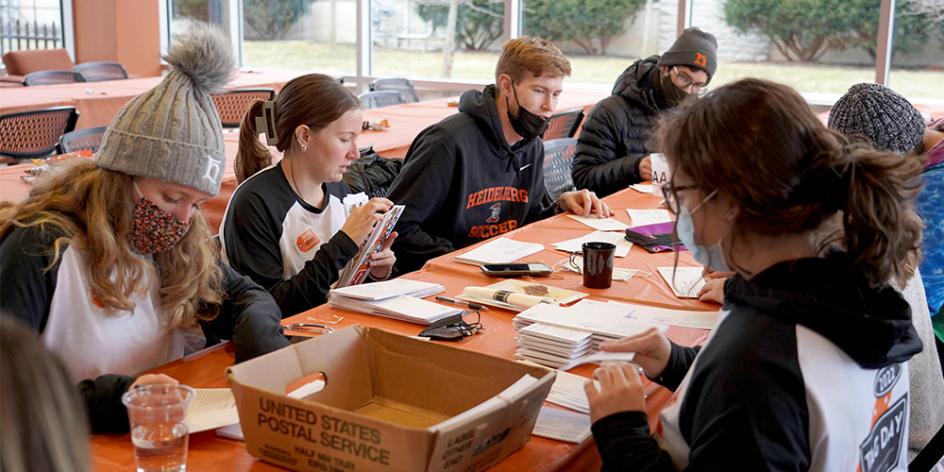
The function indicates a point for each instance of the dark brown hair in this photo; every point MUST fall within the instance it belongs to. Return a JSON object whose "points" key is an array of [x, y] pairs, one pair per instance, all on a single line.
{"points": [[759, 143], [536, 55], [315, 100]]}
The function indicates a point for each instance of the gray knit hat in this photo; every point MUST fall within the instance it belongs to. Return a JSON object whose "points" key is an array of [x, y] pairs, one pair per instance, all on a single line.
{"points": [[880, 116], [173, 132], [694, 48]]}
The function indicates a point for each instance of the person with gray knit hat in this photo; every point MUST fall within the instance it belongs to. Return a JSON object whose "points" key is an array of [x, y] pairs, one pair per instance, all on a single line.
{"points": [[112, 261], [879, 116], [885, 119], [176, 123], [613, 146]]}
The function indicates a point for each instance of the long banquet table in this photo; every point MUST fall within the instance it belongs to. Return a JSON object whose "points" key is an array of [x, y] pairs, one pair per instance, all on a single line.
{"points": [[210, 452]]}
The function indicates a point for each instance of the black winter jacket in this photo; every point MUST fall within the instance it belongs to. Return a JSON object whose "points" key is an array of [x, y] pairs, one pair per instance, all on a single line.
{"points": [[613, 139]]}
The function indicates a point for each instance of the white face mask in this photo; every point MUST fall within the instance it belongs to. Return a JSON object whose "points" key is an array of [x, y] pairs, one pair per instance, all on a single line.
{"points": [[711, 256]]}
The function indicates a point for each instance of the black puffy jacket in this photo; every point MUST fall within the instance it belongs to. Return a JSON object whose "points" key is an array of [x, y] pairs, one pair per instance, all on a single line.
{"points": [[613, 139]]}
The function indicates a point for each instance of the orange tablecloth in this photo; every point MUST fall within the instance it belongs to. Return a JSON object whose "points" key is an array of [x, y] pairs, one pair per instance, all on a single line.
{"points": [[209, 452], [99, 102]]}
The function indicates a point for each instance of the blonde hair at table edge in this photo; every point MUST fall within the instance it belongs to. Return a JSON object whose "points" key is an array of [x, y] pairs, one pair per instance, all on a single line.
{"points": [[93, 209]]}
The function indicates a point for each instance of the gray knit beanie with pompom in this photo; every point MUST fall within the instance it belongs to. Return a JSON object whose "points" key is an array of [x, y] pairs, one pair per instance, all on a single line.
{"points": [[173, 132]]}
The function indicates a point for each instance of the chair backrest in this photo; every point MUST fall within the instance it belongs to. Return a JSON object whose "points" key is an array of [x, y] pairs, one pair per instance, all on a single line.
{"points": [[32, 134], [52, 77], [99, 71], [564, 125], [404, 86], [25, 62], [234, 104], [82, 140], [558, 157], [383, 98]]}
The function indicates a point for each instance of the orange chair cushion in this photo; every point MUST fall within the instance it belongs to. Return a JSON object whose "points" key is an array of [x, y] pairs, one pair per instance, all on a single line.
{"points": [[25, 62]]}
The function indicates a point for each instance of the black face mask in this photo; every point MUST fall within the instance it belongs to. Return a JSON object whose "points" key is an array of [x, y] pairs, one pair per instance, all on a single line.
{"points": [[673, 95], [526, 124]]}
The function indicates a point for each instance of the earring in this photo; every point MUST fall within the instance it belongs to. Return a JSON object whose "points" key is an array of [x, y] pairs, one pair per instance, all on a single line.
{"points": [[305, 148]]}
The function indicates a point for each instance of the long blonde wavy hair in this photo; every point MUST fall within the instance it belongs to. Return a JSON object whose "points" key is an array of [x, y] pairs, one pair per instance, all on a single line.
{"points": [[92, 208]]}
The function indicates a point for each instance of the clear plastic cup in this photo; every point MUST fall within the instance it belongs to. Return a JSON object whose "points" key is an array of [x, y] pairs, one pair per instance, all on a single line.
{"points": [[158, 431]]}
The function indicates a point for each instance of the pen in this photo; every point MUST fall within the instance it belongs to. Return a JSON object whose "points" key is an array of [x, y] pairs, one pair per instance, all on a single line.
{"points": [[471, 305]]}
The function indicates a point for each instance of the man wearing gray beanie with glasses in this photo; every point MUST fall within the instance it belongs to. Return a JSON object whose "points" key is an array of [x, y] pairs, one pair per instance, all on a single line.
{"points": [[611, 150]]}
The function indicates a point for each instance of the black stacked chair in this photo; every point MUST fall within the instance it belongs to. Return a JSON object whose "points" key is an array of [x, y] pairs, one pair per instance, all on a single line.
{"points": [[101, 70]]}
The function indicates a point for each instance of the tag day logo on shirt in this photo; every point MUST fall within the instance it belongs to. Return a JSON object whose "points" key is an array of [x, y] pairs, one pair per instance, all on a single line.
{"points": [[307, 240]]}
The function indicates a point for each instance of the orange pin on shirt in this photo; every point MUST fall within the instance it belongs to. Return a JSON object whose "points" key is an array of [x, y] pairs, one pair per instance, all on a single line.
{"points": [[307, 240]]}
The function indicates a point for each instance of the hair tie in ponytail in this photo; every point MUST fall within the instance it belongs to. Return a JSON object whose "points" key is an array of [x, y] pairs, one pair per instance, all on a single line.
{"points": [[826, 185], [266, 123]]}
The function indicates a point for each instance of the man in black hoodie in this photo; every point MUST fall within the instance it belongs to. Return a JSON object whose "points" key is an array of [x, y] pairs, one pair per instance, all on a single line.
{"points": [[611, 150], [479, 173]]}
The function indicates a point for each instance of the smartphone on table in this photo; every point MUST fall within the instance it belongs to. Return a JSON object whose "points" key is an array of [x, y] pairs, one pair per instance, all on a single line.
{"points": [[534, 269]]}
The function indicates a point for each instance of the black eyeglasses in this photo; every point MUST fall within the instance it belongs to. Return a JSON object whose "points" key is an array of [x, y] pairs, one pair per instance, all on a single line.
{"points": [[670, 194]]}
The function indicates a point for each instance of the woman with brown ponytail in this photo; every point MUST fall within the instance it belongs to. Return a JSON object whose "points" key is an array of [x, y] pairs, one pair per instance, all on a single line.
{"points": [[286, 225], [807, 367]]}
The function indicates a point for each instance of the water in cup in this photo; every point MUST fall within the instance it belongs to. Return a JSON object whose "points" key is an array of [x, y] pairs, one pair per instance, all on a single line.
{"points": [[161, 447], [158, 431]]}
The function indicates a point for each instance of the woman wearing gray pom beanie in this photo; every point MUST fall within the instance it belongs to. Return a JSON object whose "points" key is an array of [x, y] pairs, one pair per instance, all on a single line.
{"points": [[112, 260]]}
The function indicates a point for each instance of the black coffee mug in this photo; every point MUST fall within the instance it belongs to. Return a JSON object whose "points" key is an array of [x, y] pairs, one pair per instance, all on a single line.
{"points": [[598, 264]]}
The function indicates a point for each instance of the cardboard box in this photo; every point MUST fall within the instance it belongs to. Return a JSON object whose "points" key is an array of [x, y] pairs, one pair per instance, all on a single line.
{"points": [[390, 402]]}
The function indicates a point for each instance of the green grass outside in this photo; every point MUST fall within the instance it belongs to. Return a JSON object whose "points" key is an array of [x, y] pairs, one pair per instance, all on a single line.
{"points": [[809, 78]]}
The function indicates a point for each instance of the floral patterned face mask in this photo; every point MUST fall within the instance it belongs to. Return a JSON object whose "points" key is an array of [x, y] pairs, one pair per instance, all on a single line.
{"points": [[154, 230]]}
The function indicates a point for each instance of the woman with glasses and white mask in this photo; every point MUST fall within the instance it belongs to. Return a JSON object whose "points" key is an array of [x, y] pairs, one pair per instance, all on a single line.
{"points": [[807, 366], [613, 147]]}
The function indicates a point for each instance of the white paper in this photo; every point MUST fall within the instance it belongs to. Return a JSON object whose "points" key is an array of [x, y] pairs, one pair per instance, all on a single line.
{"points": [[576, 245], [557, 333], [233, 431], [642, 188], [643, 217], [352, 201], [388, 289], [681, 318], [568, 392], [211, 408], [601, 224], [601, 357], [405, 308], [685, 282], [610, 325], [499, 251], [562, 425]]}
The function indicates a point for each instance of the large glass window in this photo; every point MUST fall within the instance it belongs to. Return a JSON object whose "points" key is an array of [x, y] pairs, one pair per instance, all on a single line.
{"points": [[816, 46], [33, 24], [410, 38], [600, 37], [210, 11], [918, 50], [319, 35]]}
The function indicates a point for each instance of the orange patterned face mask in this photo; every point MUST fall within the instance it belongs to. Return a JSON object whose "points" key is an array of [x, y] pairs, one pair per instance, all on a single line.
{"points": [[154, 230]]}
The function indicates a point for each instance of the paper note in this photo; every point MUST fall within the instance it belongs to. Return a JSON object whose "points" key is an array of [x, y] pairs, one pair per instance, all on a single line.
{"points": [[601, 224], [685, 282], [211, 408], [681, 318], [562, 425], [576, 245], [352, 201], [648, 217], [499, 251], [642, 188], [568, 392], [601, 357]]}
